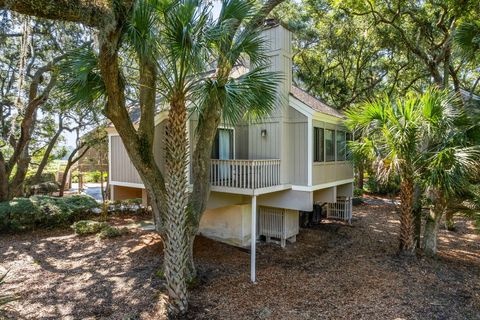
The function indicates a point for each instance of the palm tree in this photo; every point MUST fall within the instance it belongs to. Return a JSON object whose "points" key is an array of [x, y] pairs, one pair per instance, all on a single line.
{"points": [[422, 139], [235, 41], [467, 37], [391, 130], [448, 160], [175, 44]]}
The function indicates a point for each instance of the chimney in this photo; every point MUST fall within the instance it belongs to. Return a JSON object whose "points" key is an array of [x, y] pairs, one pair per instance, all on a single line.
{"points": [[279, 49]]}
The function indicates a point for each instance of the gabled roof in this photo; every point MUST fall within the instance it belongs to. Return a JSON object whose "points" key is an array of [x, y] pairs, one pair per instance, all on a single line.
{"points": [[314, 103]]}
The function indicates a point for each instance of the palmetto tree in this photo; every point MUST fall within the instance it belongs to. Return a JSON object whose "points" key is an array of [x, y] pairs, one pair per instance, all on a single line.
{"points": [[467, 37], [175, 43], [422, 139], [235, 41], [448, 159], [391, 130]]}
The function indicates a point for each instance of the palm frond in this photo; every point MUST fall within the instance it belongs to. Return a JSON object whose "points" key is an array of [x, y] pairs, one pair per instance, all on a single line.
{"points": [[142, 28], [5, 298], [183, 49], [467, 37], [247, 98], [81, 79], [450, 168]]}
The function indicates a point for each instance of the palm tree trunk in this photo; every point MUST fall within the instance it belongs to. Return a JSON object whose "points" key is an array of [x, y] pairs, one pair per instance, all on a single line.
{"points": [[430, 235], [175, 260], [417, 213], [361, 176], [449, 223], [407, 242], [433, 223], [190, 271]]}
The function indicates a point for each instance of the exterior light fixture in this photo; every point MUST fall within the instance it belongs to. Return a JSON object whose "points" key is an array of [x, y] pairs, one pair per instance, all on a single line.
{"points": [[264, 132]]}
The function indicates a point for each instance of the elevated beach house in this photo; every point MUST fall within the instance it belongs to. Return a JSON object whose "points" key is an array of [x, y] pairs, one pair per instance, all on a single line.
{"points": [[262, 174]]}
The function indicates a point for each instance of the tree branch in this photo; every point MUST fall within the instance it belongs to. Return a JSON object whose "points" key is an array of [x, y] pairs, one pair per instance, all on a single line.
{"points": [[92, 13]]}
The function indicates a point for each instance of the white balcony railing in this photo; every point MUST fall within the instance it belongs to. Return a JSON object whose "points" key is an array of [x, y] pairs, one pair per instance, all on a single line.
{"points": [[245, 174]]}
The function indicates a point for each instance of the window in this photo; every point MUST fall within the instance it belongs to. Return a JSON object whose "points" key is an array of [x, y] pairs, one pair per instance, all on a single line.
{"points": [[341, 146], [318, 155], [329, 145]]}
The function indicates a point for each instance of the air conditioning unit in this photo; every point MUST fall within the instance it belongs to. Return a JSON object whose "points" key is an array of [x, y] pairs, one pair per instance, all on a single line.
{"points": [[278, 225]]}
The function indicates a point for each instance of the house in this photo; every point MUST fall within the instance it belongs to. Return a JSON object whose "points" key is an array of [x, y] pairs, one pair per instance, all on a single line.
{"points": [[262, 174]]}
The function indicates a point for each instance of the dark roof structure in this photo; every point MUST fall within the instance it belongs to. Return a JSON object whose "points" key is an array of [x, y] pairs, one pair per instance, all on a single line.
{"points": [[314, 103]]}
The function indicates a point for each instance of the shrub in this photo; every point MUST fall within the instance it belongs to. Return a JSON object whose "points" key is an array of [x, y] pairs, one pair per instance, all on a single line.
{"points": [[44, 177], [94, 176], [44, 188], [43, 211], [111, 232], [86, 227], [358, 192]]}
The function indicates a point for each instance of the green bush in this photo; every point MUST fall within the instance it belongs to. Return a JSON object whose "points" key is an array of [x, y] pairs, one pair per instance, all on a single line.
{"points": [[44, 177], [111, 232], [43, 211], [44, 188], [86, 227], [94, 176], [358, 192], [389, 187]]}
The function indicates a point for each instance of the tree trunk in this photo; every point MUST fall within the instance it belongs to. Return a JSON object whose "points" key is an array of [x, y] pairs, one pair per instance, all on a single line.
{"points": [[3, 180], [175, 259], [449, 222], [71, 161], [437, 209], [417, 213], [46, 156], [360, 177], [430, 236], [407, 243], [64, 179], [190, 271]]}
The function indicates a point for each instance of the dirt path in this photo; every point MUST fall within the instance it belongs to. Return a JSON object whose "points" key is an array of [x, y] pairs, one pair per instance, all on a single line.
{"points": [[334, 271]]}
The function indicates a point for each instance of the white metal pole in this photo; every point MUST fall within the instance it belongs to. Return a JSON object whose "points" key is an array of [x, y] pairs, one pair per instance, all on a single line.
{"points": [[253, 239]]}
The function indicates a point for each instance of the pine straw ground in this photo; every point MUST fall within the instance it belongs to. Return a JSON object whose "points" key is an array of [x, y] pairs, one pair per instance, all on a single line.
{"points": [[334, 271]]}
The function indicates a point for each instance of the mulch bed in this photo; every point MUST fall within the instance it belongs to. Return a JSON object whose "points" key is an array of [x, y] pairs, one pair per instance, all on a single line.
{"points": [[333, 271]]}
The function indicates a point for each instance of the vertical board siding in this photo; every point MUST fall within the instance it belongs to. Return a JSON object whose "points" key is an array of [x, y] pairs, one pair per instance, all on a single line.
{"points": [[297, 126], [241, 142], [122, 168], [267, 147]]}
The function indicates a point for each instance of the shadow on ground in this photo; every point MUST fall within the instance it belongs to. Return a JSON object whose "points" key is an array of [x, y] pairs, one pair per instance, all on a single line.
{"points": [[333, 271]]}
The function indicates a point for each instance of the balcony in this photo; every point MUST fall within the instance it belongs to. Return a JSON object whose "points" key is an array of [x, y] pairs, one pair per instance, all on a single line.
{"points": [[244, 174]]}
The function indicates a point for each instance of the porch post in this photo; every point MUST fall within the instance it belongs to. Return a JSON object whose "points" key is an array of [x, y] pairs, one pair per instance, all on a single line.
{"points": [[253, 239]]}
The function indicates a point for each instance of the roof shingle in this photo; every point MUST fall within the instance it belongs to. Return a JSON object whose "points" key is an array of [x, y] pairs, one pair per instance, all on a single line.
{"points": [[314, 103]]}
